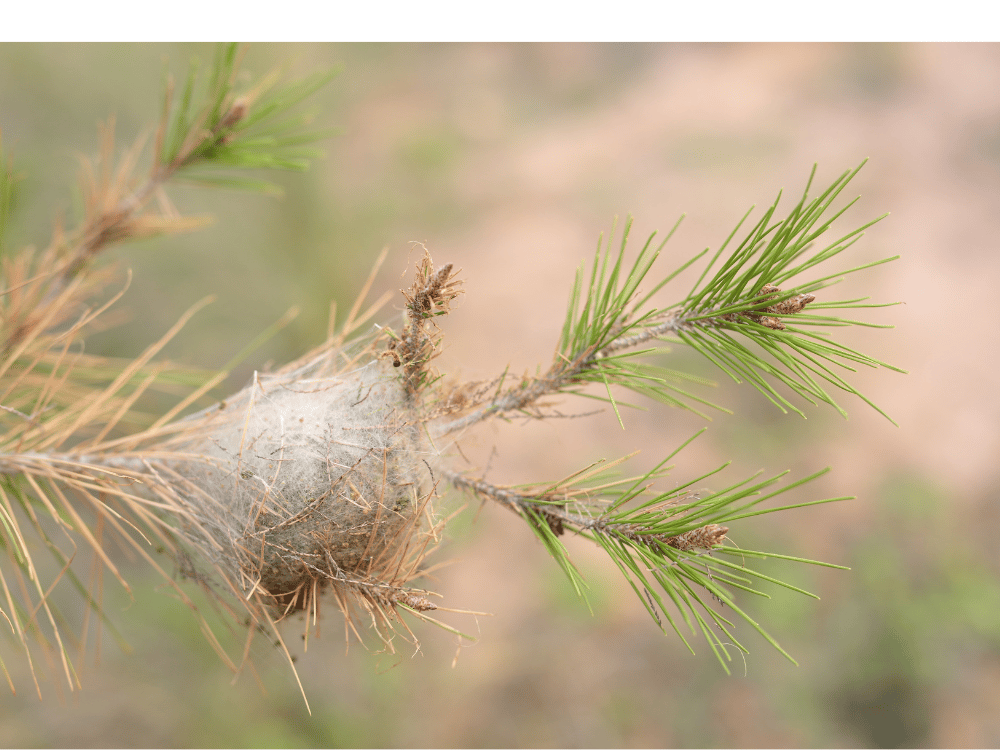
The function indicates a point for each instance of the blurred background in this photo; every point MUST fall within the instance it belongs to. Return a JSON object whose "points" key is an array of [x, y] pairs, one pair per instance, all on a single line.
{"points": [[509, 161]]}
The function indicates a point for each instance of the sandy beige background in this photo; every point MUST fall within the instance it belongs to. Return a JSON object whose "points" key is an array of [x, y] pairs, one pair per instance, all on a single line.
{"points": [[509, 160]]}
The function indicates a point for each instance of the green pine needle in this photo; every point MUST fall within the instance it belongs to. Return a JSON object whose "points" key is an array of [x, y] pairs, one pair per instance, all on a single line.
{"points": [[667, 545], [726, 316], [214, 129], [8, 185]]}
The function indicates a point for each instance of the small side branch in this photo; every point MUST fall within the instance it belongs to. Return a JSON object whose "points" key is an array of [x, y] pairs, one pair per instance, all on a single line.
{"points": [[589, 363], [552, 511], [564, 374]]}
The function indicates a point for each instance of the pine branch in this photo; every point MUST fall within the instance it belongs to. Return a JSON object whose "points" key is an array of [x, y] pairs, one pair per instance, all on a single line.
{"points": [[252, 130], [610, 326], [209, 134], [80, 461], [664, 543], [44, 306]]}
